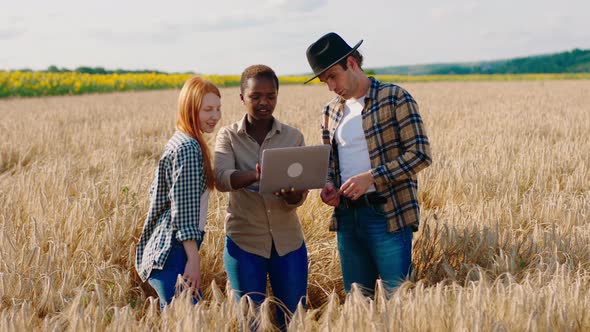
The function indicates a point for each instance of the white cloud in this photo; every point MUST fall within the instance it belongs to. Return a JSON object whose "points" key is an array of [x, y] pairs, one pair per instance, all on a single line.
{"points": [[453, 9], [157, 34], [11, 33], [233, 21], [227, 35], [304, 6]]}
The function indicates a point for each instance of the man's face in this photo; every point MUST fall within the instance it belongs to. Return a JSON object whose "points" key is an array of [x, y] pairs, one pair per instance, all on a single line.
{"points": [[260, 98], [340, 81]]}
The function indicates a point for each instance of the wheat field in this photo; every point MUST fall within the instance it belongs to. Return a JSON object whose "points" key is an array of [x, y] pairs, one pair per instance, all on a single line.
{"points": [[504, 242]]}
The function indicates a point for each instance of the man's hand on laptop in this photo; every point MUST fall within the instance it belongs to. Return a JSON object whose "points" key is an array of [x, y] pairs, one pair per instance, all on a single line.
{"points": [[330, 195]]}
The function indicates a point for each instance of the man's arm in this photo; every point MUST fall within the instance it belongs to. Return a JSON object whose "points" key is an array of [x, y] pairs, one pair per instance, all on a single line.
{"points": [[415, 144]]}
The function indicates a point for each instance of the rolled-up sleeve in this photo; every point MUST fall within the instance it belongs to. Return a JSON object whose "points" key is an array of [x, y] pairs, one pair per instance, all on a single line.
{"points": [[225, 163], [185, 202]]}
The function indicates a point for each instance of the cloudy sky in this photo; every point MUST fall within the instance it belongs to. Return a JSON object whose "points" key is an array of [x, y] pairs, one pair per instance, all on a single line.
{"points": [[225, 36]]}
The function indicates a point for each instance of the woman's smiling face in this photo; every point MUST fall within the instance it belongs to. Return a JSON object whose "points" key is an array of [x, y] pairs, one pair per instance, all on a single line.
{"points": [[260, 97], [210, 112]]}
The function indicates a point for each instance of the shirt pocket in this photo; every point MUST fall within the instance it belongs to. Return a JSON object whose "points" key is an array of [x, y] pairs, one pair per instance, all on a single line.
{"points": [[385, 124]]}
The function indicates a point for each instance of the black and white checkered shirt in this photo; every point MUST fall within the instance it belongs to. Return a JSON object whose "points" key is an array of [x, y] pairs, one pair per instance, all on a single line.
{"points": [[175, 197]]}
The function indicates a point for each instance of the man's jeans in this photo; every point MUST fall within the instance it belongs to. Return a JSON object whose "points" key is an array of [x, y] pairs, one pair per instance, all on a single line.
{"points": [[288, 276], [164, 281], [367, 250]]}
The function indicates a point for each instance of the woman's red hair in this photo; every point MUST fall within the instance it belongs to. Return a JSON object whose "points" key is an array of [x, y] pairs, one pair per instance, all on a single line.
{"points": [[189, 106]]}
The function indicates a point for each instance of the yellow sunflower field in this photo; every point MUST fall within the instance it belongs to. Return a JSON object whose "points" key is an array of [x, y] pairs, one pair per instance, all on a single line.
{"points": [[31, 83]]}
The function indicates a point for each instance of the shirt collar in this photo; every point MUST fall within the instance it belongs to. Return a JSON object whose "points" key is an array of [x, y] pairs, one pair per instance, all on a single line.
{"points": [[371, 92], [373, 89], [277, 126]]}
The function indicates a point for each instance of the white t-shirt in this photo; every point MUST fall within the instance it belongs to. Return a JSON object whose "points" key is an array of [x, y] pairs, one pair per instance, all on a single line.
{"points": [[203, 210], [353, 152]]}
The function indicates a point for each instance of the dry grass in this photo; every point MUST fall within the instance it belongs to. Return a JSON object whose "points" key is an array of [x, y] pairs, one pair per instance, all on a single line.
{"points": [[504, 243]]}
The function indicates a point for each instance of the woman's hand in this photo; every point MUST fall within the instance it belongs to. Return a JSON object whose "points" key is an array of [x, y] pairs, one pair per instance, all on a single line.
{"points": [[258, 171], [192, 269], [242, 179], [291, 196]]}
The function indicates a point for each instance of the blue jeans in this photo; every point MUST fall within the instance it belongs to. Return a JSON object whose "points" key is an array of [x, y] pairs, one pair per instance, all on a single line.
{"points": [[367, 250], [288, 276], [164, 281]]}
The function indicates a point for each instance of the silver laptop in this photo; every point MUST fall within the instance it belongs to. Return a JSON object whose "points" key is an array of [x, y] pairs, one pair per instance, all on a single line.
{"points": [[302, 167]]}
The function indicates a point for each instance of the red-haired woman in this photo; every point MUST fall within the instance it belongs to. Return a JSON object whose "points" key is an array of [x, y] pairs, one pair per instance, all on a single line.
{"points": [[174, 228]]}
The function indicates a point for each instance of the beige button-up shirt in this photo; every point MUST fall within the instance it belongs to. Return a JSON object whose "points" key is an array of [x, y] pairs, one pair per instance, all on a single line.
{"points": [[254, 220]]}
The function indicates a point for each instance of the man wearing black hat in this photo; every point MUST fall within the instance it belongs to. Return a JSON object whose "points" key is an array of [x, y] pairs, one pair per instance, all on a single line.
{"points": [[378, 146]]}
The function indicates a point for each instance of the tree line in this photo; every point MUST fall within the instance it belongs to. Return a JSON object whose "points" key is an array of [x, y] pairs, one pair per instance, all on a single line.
{"points": [[99, 70], [575, 61]]}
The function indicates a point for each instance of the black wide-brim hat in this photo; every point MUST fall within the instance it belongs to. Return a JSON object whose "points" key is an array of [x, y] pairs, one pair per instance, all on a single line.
{"points": [[326, 52]]}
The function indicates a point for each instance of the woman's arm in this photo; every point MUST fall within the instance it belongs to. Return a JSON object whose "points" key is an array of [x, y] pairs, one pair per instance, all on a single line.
{"points": [[227, 177], [225, 162], [185, 199], [241, 179], [192, 269], [187, 169]]}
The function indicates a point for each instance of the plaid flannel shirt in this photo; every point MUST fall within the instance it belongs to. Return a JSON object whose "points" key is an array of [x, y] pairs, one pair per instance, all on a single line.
{"points": [[175, 197], [398, 149]]}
